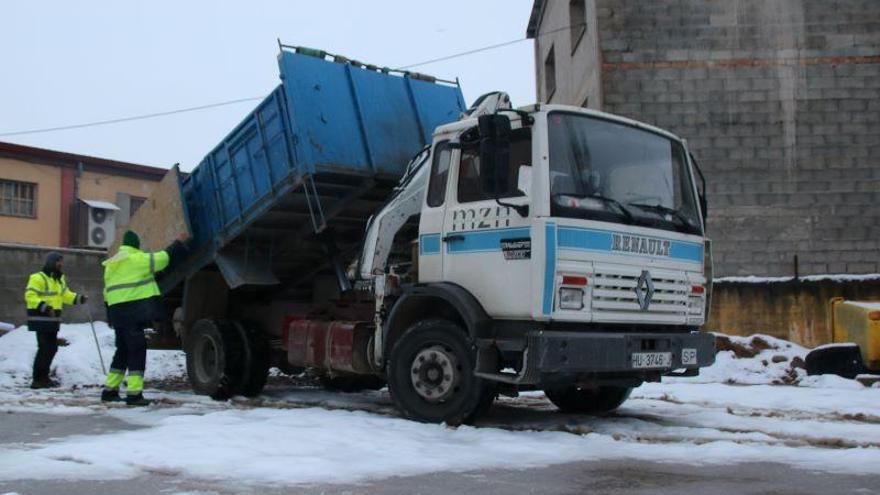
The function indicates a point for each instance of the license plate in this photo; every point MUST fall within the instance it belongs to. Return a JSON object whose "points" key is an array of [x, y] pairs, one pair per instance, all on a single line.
{"points": [[652, 360], [688, 356]]}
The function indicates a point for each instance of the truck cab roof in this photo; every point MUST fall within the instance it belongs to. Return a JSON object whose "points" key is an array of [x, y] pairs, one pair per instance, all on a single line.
{"points": [[467, 123]]}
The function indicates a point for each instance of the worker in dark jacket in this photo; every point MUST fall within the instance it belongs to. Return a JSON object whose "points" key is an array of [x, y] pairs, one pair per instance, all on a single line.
{"points": [[45, 296], [133, 302]]}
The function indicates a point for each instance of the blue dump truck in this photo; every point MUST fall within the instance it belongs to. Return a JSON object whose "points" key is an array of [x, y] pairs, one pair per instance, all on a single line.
{"points": [[365, 224]]}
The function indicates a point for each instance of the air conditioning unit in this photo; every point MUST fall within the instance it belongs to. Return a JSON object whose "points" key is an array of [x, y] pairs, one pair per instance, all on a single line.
{"points": [[97, 224]]}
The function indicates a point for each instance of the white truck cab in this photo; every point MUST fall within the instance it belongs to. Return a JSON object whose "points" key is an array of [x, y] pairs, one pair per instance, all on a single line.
{"points": [[613, 231], [567, 248]]}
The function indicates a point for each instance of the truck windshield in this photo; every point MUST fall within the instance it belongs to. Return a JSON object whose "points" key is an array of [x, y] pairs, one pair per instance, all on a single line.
{"points": [[604, 170]]}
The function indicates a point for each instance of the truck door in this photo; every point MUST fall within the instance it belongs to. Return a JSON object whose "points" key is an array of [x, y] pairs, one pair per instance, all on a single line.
{"points": [[433, 211], [486, 247]]}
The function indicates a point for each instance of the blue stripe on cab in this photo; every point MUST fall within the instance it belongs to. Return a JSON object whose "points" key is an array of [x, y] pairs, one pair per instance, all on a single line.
{"points": [[483, 241], [549, 266], [429, 244], [686, 251], [580, 239], [592, 240]]}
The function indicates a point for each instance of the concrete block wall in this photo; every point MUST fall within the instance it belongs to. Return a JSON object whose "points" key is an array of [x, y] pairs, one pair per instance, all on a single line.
{"points": [[82, 268], [780, 103]]}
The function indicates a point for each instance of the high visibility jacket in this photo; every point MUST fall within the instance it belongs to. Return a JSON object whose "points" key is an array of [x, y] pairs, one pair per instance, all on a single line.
{"points": [[54, 293], [128, 275]]}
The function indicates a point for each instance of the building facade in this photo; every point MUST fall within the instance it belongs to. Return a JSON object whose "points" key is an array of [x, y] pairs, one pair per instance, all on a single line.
{"points": [[45, 195], [779, 102]]}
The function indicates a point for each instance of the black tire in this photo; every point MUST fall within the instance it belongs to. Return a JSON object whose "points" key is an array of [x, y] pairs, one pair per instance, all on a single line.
{"points": [[256, 366], [351, 383], [215, 359], [457, 397], [844, 360], [601, 400]]}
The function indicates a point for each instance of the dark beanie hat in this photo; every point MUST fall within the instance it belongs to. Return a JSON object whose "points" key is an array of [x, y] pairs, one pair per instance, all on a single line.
{"points": [[49, 267], [131, 239]]}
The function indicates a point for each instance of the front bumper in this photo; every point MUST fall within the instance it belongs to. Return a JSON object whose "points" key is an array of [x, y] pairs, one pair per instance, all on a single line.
{"points": [[549, 354], [577, 352]]}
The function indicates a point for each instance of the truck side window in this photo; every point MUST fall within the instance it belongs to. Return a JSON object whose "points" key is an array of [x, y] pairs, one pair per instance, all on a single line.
{"points": [[469, 189], [439, 174]]}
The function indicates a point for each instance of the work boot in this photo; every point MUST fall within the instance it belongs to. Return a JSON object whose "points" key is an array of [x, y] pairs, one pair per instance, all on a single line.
{"points": [[39, 383], [136, 400], [110, 395]]}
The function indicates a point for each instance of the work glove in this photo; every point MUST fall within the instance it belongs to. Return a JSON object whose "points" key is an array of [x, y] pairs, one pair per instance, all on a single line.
{"points": [[82, 298], [62, 342], [44, 309]]}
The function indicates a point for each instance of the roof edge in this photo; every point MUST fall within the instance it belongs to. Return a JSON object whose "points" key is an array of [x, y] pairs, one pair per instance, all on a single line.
{"points": [[62, 158], [535, 18]]}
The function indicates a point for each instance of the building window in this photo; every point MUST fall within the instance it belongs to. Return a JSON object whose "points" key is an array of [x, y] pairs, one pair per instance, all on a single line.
{"points": [[550, 74], [577, 18], [134, 203], [18, 199]]}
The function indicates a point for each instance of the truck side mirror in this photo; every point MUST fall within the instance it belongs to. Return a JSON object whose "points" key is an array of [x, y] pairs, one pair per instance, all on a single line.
{"points": [[524, 179], [704, 206], [494, 153]]}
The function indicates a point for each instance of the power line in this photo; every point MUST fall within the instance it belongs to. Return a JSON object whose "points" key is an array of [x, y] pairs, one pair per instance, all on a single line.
{"points": [[462, 54], [242, 100], [487, 48], [131, 118]]}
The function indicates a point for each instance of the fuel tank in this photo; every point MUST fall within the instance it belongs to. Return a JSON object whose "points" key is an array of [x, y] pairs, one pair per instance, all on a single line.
{"points": [[341, 346]]}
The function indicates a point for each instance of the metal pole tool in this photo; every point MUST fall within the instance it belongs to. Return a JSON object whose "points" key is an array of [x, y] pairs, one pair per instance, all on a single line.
{"points": [[95, 335]]}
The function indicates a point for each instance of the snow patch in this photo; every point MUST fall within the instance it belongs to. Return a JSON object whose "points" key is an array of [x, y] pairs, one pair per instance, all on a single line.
{"points": [[834, 277], [836, 345], [829, 381], [754, 360], [297, 446], [869, 305], [76, 364]]}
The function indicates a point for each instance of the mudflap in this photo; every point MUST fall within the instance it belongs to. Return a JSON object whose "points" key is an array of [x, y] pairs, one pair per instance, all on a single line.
{"points": [[843, 360]]}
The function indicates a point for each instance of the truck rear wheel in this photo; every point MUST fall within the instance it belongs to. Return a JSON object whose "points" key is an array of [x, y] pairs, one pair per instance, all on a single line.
{"points": [[431, 374], [214, 359], [256, 360], [587, 401]]}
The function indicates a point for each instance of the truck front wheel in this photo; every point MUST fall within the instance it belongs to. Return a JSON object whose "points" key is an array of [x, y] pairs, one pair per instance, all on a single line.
{"points": [[587, 400], [431, 374]]}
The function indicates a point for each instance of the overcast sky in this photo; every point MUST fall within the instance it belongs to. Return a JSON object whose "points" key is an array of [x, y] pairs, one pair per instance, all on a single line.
{"points": [[65, 62]]}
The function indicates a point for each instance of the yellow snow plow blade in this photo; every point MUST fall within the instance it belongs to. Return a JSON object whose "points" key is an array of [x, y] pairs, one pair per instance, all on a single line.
{"points": [[858, 322]]}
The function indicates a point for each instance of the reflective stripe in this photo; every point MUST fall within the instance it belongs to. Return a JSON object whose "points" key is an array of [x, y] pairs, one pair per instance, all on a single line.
{"points": [[44, 318], [135, 383], [152, 264], [114, 379], [41, 292], [129, 285]]}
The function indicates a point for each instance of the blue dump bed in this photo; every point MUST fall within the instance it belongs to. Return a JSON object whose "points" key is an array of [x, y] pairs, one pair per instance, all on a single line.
{"points": [[325, 147]]}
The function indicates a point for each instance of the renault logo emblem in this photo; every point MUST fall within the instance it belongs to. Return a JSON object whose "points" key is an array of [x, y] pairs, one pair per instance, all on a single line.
{"points": [[644, 290]]}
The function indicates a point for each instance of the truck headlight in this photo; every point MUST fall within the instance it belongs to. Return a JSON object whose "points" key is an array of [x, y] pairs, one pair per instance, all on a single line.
{"points": [[571, 298]]}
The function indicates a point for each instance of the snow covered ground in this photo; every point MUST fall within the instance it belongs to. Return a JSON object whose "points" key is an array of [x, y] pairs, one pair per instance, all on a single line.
{"points": [[754, 405]]}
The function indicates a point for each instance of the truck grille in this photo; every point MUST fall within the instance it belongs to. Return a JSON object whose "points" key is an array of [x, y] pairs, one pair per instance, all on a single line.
{"points": [[614, 291]]}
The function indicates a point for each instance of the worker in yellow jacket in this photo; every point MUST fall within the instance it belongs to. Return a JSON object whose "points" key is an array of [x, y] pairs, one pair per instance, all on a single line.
{"points": [[133, 303], [45, 296]]}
